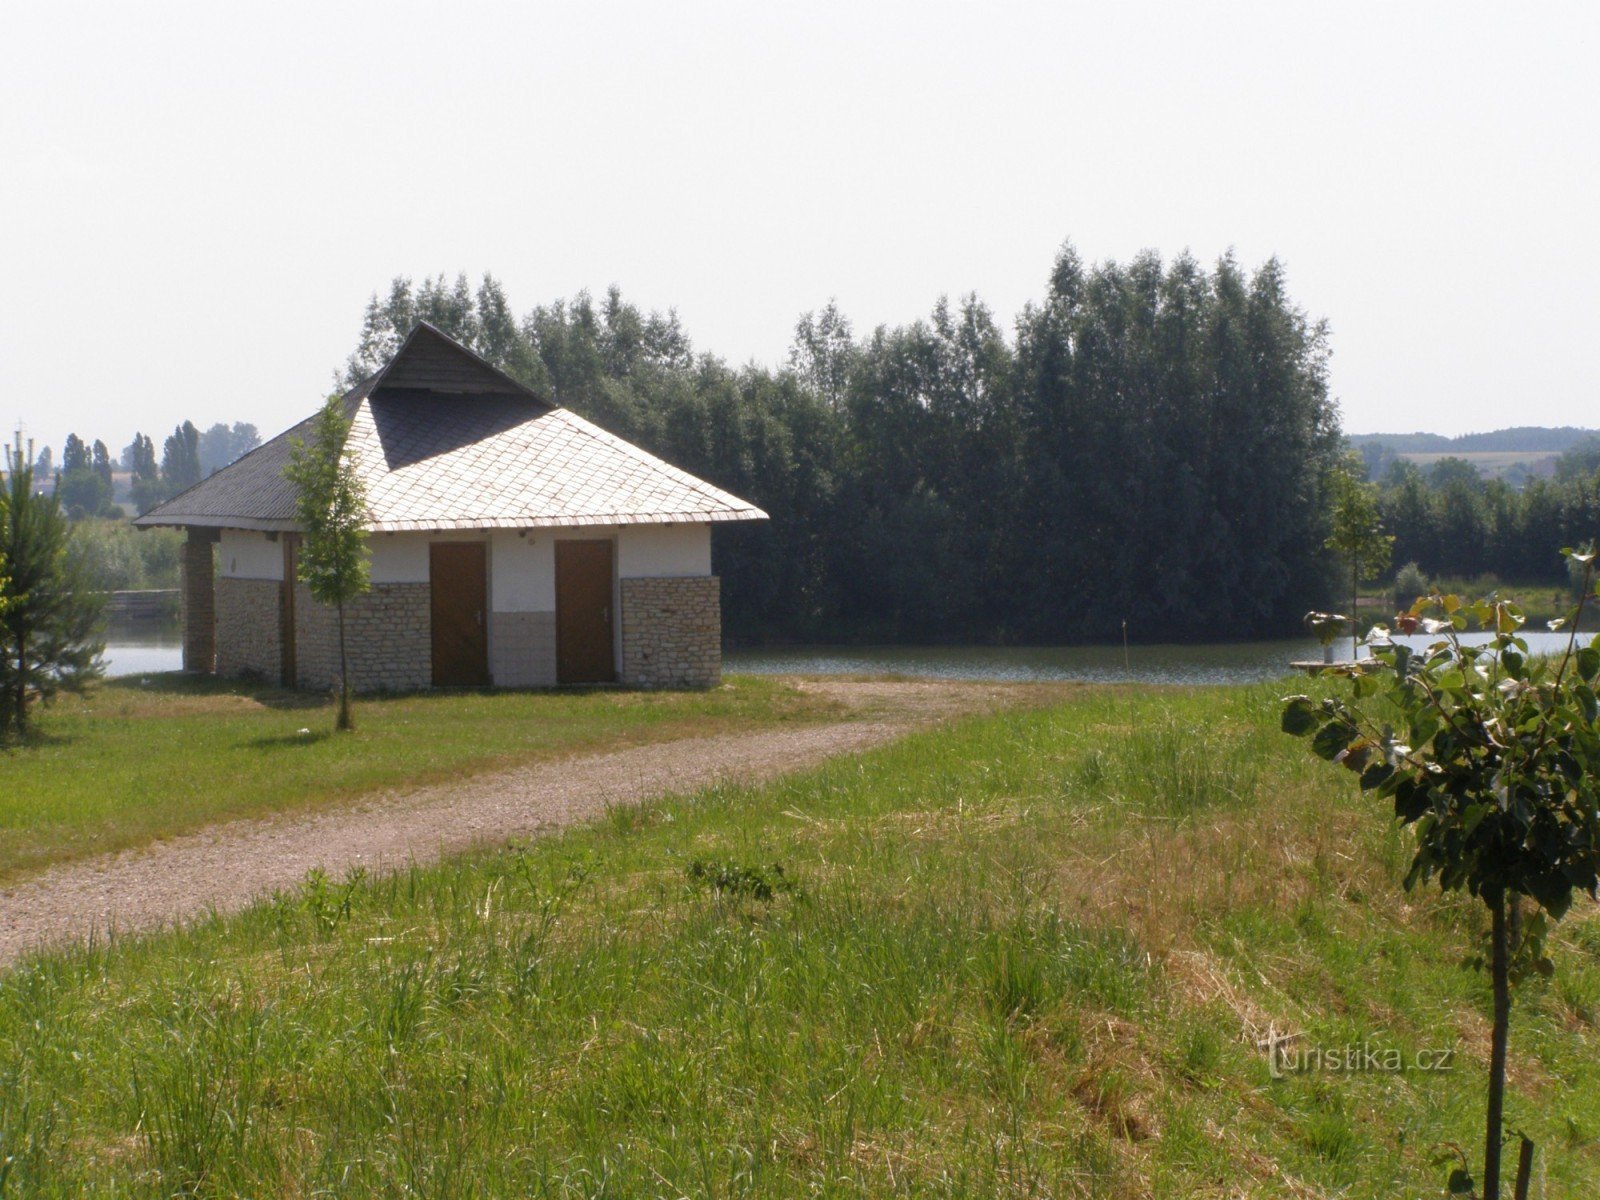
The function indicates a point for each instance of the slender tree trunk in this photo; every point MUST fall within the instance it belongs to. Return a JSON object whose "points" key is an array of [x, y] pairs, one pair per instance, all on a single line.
{"points": [[6, 719], [1500, 969], [1355, 607], [21, 715], [345, 721]]}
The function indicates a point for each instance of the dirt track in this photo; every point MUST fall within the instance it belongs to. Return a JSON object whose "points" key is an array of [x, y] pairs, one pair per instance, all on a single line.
{"points": [[226, 866]]}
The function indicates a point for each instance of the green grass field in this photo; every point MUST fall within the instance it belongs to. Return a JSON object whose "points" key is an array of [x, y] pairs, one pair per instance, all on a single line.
{"points": [[1030, 955], [137, 760]]}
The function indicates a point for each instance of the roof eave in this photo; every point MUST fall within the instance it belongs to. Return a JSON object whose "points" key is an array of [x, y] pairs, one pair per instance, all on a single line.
{"points": [[266, 525], [152, 520], [568, 522]]}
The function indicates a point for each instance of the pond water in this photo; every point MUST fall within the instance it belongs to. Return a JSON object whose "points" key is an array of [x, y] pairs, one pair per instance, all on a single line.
{"points": [[143, 647], [1236, 662], [148, 647]]}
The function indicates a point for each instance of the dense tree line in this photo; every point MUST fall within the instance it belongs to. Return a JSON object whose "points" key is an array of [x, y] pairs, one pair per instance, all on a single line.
{"points": [[1452, 522], [85, 486], [1149, 445]]}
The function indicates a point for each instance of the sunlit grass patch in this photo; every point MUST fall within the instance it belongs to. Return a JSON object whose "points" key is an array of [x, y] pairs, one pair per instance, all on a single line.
{"points": [[146, 757], [986, 960]]}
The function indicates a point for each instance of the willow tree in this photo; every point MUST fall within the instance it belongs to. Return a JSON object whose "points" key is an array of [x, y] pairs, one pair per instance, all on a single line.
{"points": [[331, 506]]}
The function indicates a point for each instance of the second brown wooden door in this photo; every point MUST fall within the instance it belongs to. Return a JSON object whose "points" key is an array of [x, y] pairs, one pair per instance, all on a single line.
{"points": [[583, 612], [459, 590]]}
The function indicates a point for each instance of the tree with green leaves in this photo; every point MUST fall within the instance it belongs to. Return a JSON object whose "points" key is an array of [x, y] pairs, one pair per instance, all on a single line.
{"points": [[1356, 534], [1148, 447], [74, 455], [180, 459], [1491, 755], [331, 506], [146, 486], [100, 460], [49, 619], [83, 493]]}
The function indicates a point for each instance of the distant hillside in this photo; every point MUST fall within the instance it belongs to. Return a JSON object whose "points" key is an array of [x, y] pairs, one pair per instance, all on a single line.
{"points": [[1522, 439]]}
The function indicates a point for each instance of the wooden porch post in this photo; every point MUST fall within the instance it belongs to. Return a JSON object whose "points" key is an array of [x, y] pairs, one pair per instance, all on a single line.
{"points": [[199, 602]]}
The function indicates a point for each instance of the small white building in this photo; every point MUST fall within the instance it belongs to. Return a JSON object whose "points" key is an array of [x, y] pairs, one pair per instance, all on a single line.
{"points": [[514, 544]]}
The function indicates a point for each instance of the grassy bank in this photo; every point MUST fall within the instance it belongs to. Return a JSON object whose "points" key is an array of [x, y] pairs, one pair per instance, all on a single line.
{"points": [[1029, 955], [1541, 600], [141, 759]]}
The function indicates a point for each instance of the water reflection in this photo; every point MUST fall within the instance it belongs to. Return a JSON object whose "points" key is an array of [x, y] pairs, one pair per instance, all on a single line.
{"points": [[1239, 662], [143, 647]]}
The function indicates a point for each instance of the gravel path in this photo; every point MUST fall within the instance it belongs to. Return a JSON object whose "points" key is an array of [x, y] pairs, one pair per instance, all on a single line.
{"points": [[226, 866]]}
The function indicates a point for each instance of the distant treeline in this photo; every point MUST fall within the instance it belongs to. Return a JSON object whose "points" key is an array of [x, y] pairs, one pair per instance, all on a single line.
{"points": [[1520, 439], [1452, 522], [1148, 446], [84, 477]]}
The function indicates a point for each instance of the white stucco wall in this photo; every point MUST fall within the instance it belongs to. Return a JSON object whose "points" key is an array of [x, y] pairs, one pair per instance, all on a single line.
{"points": [[397, 558], [522, 572], [522, 578], [400, 557], [242, 554], [522, 568], [656, 551]]}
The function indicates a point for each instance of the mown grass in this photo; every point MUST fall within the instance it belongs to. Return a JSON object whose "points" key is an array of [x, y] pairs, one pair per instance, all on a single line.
{"points": [[1030, 955], [142, 758]]}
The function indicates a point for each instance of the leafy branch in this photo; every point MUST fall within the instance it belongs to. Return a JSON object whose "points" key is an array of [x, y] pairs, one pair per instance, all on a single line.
{"points": [[1498, 776]]}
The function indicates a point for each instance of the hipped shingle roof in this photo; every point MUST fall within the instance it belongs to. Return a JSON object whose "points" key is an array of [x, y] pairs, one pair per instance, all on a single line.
{"points": [[442, 440]]}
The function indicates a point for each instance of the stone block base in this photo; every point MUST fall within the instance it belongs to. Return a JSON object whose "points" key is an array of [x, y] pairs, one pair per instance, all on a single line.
{"points": [[522, 649], [388, 639], [249, 626], [672, 632], [387, 632]]}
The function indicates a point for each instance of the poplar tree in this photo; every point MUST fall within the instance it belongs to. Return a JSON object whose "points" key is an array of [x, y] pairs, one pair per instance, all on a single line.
{"points": [[102, 461], [49, 619], [180, 459], [331, 506], [140, 456], [74, 455]]}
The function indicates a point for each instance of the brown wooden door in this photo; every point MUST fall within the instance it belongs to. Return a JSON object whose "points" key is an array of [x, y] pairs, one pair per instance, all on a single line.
{"points": [[583, 612], [459, 588]]}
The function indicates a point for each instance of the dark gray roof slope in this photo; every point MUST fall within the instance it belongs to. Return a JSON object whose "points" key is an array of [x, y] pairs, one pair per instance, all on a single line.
{"points": [[442, 440]]}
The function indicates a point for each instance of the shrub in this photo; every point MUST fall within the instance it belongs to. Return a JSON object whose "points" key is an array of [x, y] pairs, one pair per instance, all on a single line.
{"points": [[1409, 583], [737, 879], [1491, 755], [113, 556]]}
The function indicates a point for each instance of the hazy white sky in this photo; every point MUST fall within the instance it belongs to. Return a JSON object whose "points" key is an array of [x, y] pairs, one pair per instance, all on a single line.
{"points": [[197, 200]]}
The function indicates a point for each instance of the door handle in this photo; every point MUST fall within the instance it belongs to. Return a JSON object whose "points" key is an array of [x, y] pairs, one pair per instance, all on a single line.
{"points": [[479, 616], [605, 614]]}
